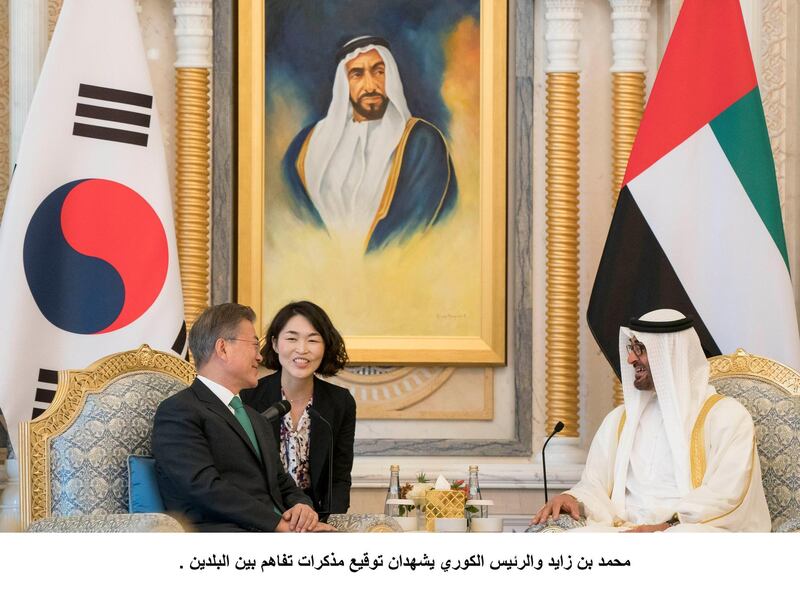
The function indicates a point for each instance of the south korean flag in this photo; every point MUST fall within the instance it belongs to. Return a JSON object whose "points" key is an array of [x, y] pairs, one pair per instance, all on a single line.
{"points": [[87, 243]]}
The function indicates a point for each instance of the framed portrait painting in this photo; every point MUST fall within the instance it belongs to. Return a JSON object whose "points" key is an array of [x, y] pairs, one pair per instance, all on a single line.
{"points": [[372, 172]]}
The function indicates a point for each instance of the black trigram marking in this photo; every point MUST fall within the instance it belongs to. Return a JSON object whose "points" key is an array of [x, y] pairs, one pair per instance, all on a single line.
{"points": [[115, 95], [45, 396], [94, 112], [48, 376], [45, 391], [111, 114], [180, 340]]}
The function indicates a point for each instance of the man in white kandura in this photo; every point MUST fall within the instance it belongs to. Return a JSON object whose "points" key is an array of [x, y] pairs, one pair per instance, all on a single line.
{"points": [[676, 456]]}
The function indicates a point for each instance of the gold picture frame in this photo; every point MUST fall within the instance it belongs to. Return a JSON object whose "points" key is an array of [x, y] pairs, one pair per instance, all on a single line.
{"points": [[488, 345]]}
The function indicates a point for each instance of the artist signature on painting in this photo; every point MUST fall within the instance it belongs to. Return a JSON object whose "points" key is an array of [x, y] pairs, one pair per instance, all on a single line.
{"points": [[450, 316]]}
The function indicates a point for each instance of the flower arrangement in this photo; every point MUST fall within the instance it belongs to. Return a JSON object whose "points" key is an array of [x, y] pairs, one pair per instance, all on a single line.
{"points": [[416, 491]]}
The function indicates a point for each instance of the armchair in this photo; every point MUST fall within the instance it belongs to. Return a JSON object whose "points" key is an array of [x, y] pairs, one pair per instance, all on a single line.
{"points": [[73, 457], [771, 392]]}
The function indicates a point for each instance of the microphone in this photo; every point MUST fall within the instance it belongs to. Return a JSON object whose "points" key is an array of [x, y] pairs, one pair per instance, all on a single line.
{"points": [[559, 426], [315, 413], [277, 410]]}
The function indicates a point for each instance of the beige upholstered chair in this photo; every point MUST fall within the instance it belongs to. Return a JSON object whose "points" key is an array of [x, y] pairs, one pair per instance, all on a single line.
{"points": [[771, 392], [364, 523], [73, 457]]}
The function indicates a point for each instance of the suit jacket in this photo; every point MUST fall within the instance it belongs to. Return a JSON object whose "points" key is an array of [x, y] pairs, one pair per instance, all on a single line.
{"points": [[208, 470], [337, 406]]}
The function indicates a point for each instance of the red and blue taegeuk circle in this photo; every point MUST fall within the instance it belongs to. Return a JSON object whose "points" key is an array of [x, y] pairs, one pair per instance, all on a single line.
{"points": [[95, 256]]}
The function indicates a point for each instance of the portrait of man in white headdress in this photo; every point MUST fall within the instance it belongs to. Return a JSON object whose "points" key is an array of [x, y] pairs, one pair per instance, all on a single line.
{"points": [[384, 183], [369, 170]]}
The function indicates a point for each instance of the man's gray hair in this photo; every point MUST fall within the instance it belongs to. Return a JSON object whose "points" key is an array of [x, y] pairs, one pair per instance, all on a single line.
{"points": [[216, 322]]}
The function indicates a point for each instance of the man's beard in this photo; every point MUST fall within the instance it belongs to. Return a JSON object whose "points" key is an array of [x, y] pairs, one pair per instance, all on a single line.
{"points": [[643, 381], [370, 111]]}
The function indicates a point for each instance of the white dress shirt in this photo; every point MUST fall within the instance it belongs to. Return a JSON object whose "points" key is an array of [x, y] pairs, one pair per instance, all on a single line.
{"points": [[220, 392]]}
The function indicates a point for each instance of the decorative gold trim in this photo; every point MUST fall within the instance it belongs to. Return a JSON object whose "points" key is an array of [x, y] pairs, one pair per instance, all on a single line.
{"points": [[697, 450], [391, 182], [391, 404], [397, 394], [396, 374], [447, 184], [487, 348], [70, 397], [628, 94], [563, 281], [746, 486], [617, 396], [628, 98], [192, 152], [250, 167], [394, 175], [743, 364], [300, 164]]}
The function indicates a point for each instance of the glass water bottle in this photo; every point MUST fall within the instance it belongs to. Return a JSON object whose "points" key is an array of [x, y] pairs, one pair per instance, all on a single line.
{"points": [[391, 508], [474, 494]]}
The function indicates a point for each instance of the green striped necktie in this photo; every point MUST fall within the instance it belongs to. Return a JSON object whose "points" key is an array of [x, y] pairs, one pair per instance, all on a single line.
{"points": [[241, 416]]}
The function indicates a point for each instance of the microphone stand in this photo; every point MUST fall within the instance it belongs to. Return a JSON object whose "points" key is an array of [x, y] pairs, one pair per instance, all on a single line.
{"points": [[559, 426], [314, 412]]}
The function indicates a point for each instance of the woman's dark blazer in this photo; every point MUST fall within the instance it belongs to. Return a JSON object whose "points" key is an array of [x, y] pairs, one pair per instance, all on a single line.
{"points": [[338, 407]]}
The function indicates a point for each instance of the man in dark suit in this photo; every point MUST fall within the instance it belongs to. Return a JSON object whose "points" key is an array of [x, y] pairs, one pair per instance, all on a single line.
{"points": [[217, 461]]}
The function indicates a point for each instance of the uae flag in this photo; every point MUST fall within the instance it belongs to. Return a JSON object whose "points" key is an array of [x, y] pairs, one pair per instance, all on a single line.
{"points": [[88, 258], [698, 224]]}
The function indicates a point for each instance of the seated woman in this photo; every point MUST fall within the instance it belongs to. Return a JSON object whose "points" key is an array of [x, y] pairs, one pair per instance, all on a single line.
{"points": [[302, 341]]}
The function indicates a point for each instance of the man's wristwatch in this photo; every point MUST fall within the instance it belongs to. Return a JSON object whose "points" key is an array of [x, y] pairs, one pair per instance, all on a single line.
{"points": [[673, 520]]}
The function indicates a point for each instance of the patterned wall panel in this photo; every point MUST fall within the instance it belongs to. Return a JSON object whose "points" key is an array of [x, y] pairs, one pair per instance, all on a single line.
{"points": [[425, 392], [4, 164], [53, 10], [773, 83], [4, 99]]}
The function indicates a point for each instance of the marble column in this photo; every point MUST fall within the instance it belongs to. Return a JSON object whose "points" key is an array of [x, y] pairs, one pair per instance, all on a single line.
{"points": [[28, 39], [193, 34]]}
